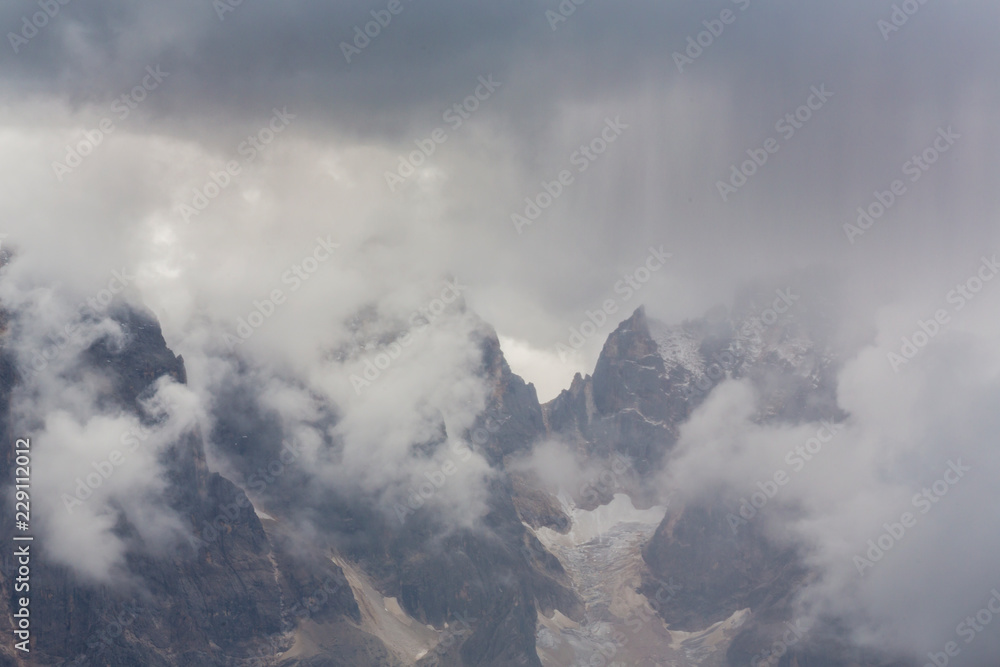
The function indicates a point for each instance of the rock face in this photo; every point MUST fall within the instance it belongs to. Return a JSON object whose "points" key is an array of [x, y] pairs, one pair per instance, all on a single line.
{"points": [[493, 577], [512, 404], [361, 586], [724, 572], [207, 603], [628, 406], [648, 380]]}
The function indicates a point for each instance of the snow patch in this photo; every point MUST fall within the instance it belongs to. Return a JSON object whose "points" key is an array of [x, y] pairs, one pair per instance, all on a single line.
{"points": [[677, 347], [590, 524], [602, 554]]}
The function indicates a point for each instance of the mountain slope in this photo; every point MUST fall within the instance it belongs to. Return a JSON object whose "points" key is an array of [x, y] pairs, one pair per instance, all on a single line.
{"points": [[281, 567]]}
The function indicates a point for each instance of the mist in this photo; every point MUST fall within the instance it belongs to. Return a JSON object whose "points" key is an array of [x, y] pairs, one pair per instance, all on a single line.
{"points": [[287, 209]]}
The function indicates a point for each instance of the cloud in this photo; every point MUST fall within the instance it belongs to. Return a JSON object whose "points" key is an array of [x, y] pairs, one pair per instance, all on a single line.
{"points": [[911, 466], [324, 177]]}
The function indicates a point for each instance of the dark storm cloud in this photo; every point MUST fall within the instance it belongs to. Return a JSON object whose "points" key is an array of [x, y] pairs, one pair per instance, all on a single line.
{"points": [[891, 93], [259, 53]]}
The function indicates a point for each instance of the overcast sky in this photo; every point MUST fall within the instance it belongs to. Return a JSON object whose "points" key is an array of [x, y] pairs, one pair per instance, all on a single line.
{"points": [[300, 116], [655, 185]]}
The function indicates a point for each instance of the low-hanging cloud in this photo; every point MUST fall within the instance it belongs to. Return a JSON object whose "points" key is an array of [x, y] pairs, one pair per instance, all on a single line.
{"points": [[247, 262], [891, 496]]}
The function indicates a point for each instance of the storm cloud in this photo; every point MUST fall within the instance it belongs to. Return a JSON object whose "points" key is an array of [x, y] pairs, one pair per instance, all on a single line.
{"points": [[313, 162]]}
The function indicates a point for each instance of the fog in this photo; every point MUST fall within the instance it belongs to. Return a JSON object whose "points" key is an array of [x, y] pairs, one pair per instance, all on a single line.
{"points": [[251, 177]]}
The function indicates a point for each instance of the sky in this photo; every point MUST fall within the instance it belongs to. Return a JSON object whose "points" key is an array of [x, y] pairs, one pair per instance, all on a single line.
{"points": [[540, 159], [684, 125]]}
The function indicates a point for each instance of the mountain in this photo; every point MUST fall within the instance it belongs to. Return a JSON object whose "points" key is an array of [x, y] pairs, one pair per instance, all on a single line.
{"points": [[277, 569]]}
